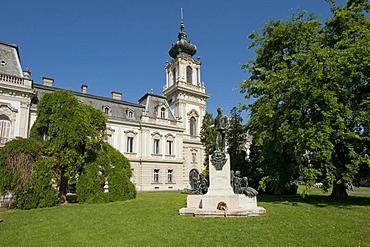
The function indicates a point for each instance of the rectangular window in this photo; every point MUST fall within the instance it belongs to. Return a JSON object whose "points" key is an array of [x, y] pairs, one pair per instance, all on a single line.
{"points": [[170, 147], [163, 113], [4, 131], [170, 176], [130, 144], [156, 146], [156, 176]]}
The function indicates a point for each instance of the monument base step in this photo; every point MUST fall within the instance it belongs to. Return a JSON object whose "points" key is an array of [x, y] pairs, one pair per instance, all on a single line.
{"points": [[196, 212]]}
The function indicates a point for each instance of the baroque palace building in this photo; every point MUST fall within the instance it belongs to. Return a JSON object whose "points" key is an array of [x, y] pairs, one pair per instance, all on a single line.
{"points": [[160, 134]]}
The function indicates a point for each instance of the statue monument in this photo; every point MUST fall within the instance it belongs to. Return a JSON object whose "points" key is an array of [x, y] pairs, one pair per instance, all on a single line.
{"points": [[227, 194]]}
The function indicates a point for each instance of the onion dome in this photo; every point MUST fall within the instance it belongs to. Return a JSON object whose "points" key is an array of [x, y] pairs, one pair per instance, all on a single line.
{"points": [[182, 46]]}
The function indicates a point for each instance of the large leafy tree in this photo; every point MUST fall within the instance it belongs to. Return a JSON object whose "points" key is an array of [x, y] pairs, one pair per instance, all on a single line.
{"points": [[236, 142], [70, 130], [310, 82]]}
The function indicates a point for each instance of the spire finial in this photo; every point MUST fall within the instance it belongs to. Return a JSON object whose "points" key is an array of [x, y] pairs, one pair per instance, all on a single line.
{"points": [[182, 34], [181, 16], [182, 46]]}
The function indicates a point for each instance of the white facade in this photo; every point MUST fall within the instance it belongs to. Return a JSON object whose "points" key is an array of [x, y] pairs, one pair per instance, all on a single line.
{"points": [[160, 135]]}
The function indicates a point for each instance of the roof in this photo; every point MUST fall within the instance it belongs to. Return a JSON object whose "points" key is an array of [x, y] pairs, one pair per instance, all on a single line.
{"points": [[149, 104], [10, 63], [117, 109], [153, 102]]}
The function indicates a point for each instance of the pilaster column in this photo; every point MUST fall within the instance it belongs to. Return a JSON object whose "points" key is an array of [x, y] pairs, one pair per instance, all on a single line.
{"points": [[24, 116]]}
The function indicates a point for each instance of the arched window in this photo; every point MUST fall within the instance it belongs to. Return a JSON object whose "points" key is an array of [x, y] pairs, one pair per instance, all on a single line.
{"points": [[189, 74], [174, 76], [193, 177], [193, 126], [163, 112], [4, 129], [106, 109]]}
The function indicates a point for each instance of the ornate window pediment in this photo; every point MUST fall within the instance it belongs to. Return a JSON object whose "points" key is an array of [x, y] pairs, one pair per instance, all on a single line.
{"points": [[169, 137], [193, 113], [7, 109], [156, 135], [130, 133]]}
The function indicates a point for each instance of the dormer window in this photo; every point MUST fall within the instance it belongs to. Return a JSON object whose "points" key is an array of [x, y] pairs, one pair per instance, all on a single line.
{"points": [[163, 113], [106, 109], [130, 114], [189, 75]]}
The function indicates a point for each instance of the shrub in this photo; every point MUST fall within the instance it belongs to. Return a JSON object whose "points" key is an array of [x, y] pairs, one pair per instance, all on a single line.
{"points": [[27, 175], [120, 186], [89, 186], [111, 166]]}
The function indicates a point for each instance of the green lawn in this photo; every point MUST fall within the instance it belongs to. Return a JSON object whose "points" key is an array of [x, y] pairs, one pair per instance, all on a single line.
{"points": [[152, 220]]}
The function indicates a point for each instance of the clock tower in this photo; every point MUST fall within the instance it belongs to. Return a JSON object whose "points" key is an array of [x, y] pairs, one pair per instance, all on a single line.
{"points": [[185, 93]]}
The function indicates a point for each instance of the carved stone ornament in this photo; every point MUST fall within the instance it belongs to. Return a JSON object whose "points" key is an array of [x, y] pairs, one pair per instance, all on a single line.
{"points": [[218, 160]]}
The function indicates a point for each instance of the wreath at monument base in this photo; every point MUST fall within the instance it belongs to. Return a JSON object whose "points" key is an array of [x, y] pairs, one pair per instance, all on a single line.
{"points": [[223, 206]]}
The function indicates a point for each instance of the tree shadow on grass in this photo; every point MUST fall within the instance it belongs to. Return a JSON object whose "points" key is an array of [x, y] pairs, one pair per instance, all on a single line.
{"points": [[316, 200]]}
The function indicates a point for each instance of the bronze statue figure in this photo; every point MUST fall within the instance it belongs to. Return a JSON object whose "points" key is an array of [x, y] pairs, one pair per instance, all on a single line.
{"points": [[221, 124], [240, 185]]}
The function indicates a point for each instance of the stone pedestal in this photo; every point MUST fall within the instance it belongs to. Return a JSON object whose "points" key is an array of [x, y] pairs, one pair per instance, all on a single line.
{"points": [[219, 190]]}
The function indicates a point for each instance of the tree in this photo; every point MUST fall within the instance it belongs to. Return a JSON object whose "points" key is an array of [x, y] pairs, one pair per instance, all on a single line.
{"points": [[208, 137], [236, 142], [71, 130], [311, 85], [66, 146]]}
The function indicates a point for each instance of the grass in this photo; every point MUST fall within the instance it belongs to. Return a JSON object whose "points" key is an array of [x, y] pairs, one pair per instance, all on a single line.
{"points": [[152, 220]]}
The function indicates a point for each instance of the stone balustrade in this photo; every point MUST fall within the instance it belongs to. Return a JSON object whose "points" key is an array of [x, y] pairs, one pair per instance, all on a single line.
{"points": [[192, 86], [21, 81]]}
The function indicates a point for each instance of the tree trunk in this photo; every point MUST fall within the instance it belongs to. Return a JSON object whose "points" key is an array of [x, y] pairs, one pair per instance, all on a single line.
{"points": [[339, 191], [63, 188]]}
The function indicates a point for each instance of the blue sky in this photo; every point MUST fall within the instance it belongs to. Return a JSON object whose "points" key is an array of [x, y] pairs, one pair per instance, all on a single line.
{"points": [[123, 45]]}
